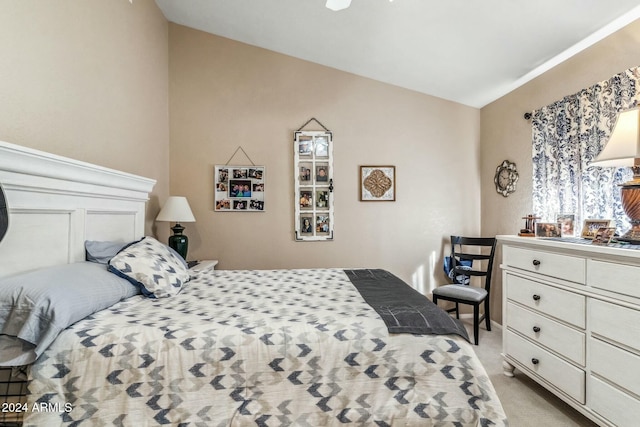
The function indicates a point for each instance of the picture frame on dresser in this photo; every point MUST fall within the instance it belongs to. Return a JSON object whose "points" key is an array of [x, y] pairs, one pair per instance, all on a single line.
{"points": [[603, 236], [591, 227], [547, 229], [567, 224]]}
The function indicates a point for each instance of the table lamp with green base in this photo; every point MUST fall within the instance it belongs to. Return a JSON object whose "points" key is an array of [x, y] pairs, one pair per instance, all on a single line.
{"points": [[176, 209]]}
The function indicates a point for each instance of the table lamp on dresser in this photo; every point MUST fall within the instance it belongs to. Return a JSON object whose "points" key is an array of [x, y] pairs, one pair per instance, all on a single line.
{"points": [[176, 209], [623, 149]]}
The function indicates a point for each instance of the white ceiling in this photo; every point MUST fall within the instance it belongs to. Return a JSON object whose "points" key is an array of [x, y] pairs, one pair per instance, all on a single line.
{"points": [[467, 51]]}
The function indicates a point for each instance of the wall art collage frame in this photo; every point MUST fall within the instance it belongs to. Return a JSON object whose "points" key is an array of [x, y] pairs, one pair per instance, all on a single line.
{"points": [[239, 188]]}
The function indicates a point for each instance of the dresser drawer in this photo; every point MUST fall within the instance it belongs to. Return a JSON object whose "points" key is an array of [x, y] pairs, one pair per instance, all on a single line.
{"points": [[620, 278], [563, 375], [615, 364], [616, 323], [619, 408], [556, 265], [558, 303], [562, 339]]}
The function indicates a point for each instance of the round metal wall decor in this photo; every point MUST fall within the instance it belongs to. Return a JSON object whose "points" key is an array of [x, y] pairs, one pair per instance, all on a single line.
{"points": [[506, 178]]}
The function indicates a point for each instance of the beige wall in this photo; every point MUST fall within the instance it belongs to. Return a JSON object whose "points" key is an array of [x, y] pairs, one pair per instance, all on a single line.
{"points": [[88, 80], [505, 134], [224, 94]]}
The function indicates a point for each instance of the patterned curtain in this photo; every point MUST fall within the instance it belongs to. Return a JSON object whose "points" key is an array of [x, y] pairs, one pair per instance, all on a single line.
{"points": [[567, 137]]}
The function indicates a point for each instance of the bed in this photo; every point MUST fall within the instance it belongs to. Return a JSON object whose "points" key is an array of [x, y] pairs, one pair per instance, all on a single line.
{"points": [[227, 348]]}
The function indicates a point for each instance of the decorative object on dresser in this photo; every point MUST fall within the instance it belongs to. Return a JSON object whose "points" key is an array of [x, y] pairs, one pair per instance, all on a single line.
{"points": [[377, 183], [567, 224], [506, 178], [591, 226], [176, 209], [623, 149], [465, 249], [529, 226], [547, 229], [313, 184], [4, 214], [571, 322], [603, 236]]}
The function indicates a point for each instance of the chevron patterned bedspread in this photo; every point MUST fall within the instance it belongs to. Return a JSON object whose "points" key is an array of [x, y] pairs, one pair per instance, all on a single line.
{"points": [[259, 348]]}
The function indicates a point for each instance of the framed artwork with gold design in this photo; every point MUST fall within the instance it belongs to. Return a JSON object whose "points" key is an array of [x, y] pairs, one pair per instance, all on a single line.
{"points": [[377, 183]]}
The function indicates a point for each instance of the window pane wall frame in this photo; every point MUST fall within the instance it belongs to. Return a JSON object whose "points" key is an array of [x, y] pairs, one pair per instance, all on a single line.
{"points": [[313, 185]]}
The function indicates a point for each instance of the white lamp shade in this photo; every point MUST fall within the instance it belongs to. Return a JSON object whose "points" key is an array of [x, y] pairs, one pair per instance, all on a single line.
{"points": [[624, 144], [176, 209], [336, 5]]}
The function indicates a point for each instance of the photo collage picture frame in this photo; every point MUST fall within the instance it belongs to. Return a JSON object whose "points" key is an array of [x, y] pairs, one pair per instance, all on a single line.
{"points": [[313, 180], [239, 188]]}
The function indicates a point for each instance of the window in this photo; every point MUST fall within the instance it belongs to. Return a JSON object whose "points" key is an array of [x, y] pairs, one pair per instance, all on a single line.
{"points": [[567, 135]]}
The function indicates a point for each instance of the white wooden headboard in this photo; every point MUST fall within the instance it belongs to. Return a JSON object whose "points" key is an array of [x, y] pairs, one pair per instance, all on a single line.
{"points": [[56, 203]]}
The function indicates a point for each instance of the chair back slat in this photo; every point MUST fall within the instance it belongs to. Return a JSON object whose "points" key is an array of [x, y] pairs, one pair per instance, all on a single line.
{"points": [[471, 257], [466, 272]]}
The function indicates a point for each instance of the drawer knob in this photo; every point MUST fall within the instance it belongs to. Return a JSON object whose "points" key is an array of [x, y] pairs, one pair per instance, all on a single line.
{"points": [[536, 297], [536, 329], [535, 361], [536, 262]]}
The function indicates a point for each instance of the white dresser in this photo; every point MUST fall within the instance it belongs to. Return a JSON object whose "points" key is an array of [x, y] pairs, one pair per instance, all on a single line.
{"points": [[571, 321]]}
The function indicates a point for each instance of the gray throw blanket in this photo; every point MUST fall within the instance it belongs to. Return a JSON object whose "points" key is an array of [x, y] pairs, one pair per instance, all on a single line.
{"points": [[402, 308]]}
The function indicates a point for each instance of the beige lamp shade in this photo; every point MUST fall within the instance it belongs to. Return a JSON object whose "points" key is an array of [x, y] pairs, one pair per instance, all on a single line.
{"points": [[624, 144], [176, 209]]}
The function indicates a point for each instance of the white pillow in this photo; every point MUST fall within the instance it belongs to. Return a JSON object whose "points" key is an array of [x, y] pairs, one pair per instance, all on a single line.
{"points": [[151, 265]]}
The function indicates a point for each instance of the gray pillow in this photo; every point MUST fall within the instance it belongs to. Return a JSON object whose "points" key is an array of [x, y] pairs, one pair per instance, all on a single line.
{"points": [[35, 306], [102, 251]]}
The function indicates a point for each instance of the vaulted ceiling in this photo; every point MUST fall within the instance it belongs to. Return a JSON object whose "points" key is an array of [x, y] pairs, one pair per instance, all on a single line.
{"points": [[467, 51]]}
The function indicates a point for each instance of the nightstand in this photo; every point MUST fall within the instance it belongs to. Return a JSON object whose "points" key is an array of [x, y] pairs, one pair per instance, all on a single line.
{"points": [[203, 265]]}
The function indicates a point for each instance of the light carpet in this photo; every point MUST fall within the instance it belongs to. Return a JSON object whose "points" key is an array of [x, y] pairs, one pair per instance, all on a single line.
{"points": [[526, 403]]}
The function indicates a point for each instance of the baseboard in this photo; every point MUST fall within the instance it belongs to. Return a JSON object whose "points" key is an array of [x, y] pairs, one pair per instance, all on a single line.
{"points": [[494, 324]]}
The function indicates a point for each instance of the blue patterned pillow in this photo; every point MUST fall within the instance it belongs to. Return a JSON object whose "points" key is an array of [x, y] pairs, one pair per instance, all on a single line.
{"points": [[151, 265]]}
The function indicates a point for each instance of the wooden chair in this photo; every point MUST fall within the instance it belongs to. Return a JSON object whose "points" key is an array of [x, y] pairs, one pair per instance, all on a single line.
{"points": [[465, 294]]}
